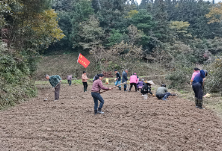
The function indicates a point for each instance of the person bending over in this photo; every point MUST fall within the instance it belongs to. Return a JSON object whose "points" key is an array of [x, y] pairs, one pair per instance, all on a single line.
{"points": [[55, 81], [162, 93], [146, 89], [197, 86], [95, 92]]}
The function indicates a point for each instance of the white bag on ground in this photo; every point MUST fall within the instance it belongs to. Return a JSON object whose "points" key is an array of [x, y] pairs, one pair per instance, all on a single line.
{"points": [[145, 96]]}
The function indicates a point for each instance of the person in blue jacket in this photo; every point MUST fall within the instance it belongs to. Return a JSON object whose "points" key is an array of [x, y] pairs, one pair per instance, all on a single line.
{"points": [[118, 79], [124, 78], [197, 86]]}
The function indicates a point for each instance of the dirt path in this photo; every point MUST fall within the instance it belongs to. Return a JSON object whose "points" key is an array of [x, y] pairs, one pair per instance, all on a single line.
{"points": [[129, 123]]}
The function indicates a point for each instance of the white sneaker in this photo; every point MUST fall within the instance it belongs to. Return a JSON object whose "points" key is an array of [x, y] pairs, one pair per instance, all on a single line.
{"points": [[55, 100], [100, 112]]}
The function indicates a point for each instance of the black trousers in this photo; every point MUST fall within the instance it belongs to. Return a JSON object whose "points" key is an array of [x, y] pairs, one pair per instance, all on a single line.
{"points": [[85, 85], [69, 82], [198, 90], [131, 85]]}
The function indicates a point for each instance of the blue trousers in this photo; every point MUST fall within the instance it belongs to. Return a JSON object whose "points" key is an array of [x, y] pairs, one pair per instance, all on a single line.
{"points": [[117, 83], [96, 97], [165, 95]]}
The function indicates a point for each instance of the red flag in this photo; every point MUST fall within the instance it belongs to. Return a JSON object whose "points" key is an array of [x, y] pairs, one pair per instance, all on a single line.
{"points": [[83, 61]]}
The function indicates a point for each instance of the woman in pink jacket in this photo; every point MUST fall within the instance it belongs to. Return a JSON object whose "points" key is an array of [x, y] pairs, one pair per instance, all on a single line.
{"points": [[133, 81], [195, 72]]}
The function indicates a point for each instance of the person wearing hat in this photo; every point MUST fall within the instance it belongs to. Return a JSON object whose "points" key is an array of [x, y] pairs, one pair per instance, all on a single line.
{"points": [[133, 82], [84, 81], [195, 72], [197, 85], [118, 79], [162, 93], [146, 89], [95, 92], [55, 81]]}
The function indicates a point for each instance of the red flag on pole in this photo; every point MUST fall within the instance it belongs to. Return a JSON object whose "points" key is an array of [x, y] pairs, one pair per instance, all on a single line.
{"points": [[83, 61]]}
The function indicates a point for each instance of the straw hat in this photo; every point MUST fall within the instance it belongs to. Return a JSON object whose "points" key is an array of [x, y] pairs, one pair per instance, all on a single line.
{"points": [[150, 82]]}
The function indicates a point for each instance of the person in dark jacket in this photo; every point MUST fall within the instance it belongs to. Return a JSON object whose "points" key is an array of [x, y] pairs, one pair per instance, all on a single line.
{"points": [[146, 89], [197, 86], [124, 78], [118, 79], [55, 81]]}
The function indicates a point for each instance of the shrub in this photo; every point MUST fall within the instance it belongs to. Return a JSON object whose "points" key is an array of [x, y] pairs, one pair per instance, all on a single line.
{"points": [[15, 82]]}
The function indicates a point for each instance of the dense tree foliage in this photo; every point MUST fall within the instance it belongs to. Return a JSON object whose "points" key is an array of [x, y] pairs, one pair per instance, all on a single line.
{"points": [[27, 28], [179, 32], [160, 22]]}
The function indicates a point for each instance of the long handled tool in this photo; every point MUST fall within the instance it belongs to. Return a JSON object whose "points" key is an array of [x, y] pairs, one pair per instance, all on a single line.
{"points": [[114, 87]]}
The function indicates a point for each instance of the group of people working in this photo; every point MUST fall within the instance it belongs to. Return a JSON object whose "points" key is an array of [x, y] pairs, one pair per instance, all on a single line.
{"points": [[197, 82]]}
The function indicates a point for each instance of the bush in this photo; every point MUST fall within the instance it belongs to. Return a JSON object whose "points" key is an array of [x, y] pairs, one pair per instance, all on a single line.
{"points": [[180, 78], [15, 83], [214, 80]]}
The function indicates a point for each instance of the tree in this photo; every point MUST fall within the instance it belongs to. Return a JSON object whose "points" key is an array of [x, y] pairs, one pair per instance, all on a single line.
{"points": [[144, 22], [81, 13], [215, 14], [180, 28], [90, 33]]}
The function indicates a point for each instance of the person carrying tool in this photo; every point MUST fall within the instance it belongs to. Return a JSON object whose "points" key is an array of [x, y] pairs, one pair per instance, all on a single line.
{"points": [[55, 81], [133, 82], [162, 93], [197, 86], [118, 79], [124, 78], [95, 92], [84, 81]]}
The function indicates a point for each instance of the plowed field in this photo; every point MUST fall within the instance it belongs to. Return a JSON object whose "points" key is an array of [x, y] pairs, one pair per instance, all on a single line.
{"points": [[129, 123]]}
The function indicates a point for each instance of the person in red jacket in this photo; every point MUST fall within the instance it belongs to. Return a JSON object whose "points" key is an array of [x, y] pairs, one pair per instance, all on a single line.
{"points": [[95, 92]]}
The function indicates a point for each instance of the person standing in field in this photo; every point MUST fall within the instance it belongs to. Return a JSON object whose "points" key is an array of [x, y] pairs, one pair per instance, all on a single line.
{"points": [[69, 78], [197, 85], [84, 81], [118, 79], [133, 81], [124, 78], [55, 81], [95, 92]]}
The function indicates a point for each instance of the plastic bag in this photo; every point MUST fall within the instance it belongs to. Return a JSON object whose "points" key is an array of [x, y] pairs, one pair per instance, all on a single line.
{"points": [[107, 80]]}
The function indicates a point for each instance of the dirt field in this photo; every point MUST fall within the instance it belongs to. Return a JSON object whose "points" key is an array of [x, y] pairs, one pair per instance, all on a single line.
{"points": [[129, 123]]}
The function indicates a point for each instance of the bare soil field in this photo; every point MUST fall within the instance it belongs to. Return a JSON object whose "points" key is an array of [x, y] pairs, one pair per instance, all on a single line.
{"points": [[129, 123]]}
